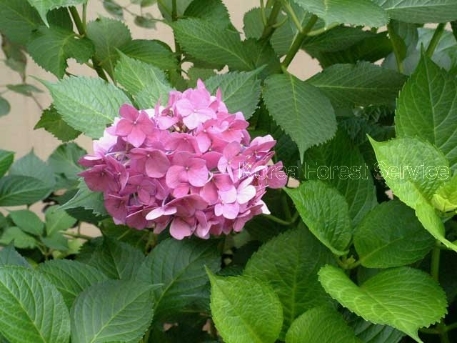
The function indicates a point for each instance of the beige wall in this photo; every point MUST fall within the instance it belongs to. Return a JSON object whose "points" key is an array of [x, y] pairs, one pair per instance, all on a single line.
{"points": [[16, 129]]}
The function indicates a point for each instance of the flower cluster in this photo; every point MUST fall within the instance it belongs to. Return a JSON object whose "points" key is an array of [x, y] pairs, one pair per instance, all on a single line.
{"points": [[191, 165]]}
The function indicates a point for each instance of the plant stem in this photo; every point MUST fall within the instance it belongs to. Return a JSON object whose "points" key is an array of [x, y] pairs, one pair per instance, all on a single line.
{"points": [[82, 31], [298, 40], [398, 58], [78, 235], [269, 29], [282, 221], [435, 39], [292, 15], [435, 272]]}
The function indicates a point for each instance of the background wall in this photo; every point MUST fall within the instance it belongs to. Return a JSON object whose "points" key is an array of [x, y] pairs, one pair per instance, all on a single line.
{"points": [[16, 128]]}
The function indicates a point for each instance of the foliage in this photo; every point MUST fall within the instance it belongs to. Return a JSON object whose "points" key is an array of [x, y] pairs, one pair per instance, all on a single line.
{"points": [[360, 246]]}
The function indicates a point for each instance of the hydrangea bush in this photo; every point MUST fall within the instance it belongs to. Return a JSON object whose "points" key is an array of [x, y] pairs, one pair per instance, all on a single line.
{"points": [[235, 201]]}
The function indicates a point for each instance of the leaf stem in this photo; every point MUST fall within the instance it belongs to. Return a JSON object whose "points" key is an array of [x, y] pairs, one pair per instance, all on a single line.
{"points": [[435, 272], [398, 58], [298, 40], [282, 221], [435, 39], [269, 29], [292, 15], [82, 31]]}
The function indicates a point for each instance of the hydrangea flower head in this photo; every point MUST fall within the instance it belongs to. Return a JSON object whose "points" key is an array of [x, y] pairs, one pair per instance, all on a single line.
{"points": [[189, 166]]}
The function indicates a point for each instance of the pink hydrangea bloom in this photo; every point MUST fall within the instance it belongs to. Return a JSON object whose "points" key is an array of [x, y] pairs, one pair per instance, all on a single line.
{"points": [[190, 166]]}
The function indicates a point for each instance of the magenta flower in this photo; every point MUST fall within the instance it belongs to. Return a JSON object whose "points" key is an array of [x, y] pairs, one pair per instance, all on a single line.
{"points": [[190, 166]]}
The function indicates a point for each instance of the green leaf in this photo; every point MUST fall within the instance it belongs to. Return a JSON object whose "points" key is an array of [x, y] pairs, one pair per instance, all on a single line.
{"points": [[361, 84], [57, 220], [87, 104], [117, 260], [5, 106], [57, 242], [86, 199], [404, 298], [427, 109], [354, 12], [52, 121], [30, 165], [32, 309], [147, 21], [70, 277], [445, 198], [139, 77], [373, 333], [325, 212], [64, 160], [289, 263], [10, 257], [412, 169], [207, 42], [152, 52], [340, 163], [18, 20], [320, 325], [113, 8], [24, 89], [391, 236], [211, 10], [51, 47], [240, 91], [16, 190], [44, 6], [17, 237], [178, 268], [304, 113], [165, 7], [27, 221], [420, 11], [112, 311], [108, 35], [245, 310], [6, 160]]}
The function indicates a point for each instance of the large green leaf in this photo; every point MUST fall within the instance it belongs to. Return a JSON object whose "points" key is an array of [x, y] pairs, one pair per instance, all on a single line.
{"points": [[70, 277], [207, 42], [340, 163], [32, 309], [118, 260], [6, 160], [178, 268], [373, 333], [108, 35], [27, 221], [139, 77], [5, 106], [325, 212], [390, 236], [245, 310], [112, 311], [427, 108], [321, 325], [16, 190], [64, 160], [289, 263], [52, 121], [360, 84], [354, 12], [87, 104], [17, 237], [404, 298], [32, 166], [44, 6], [51, 47], [420, 11], [414, 171], [152, 52], [240, 91], [18, 20], [445, 198], [303, 111]]}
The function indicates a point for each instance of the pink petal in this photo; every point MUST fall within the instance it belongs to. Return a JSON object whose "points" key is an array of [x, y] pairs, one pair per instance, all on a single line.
{"points": [[175, 175], [161, 211], [231, 210], [157, 164], [180, 229], [123, 128], [246, 194], [136, 137]]}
